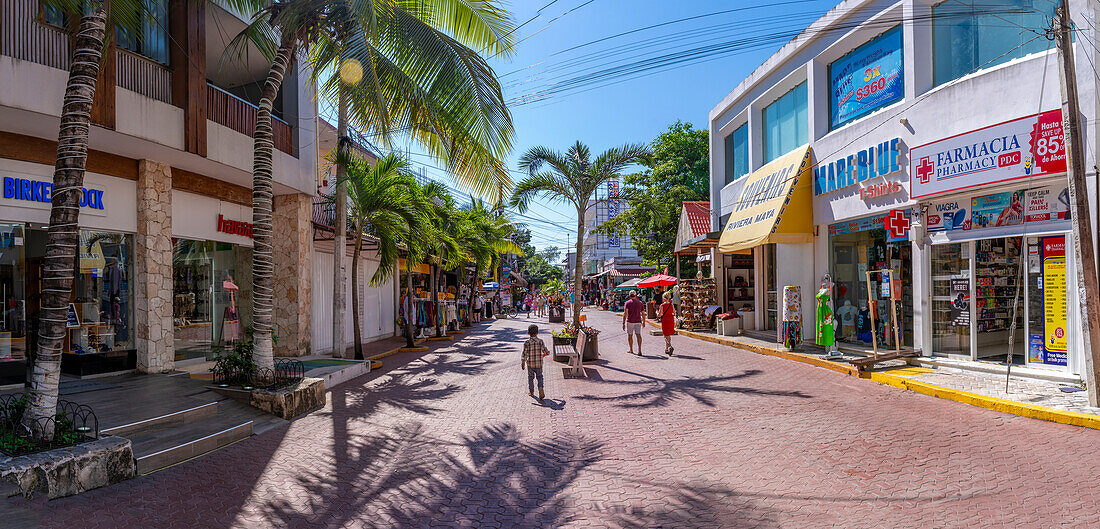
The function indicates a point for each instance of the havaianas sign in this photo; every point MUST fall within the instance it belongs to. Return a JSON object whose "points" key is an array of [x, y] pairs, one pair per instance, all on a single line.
{"points": [[878, 160], [38, 191]]}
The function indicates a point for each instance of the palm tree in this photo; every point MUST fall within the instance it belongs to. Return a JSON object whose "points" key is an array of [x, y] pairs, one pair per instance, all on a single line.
{"points": [[572, 178], [382, 204], [440, 240], [421, 78]]}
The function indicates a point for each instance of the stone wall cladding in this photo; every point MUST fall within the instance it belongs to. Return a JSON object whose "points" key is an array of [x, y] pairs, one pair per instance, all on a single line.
{"points": [[293, 254], [153, 269]]}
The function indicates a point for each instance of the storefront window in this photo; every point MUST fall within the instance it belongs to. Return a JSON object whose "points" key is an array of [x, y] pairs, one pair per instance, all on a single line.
{"points": [[858, 247], [966, 38], [737, 153], [786, 123], [99, 331], [212, 292]]}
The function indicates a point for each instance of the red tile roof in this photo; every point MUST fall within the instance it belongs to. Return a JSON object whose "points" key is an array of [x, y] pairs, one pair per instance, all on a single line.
{"points": [[698, 214]]}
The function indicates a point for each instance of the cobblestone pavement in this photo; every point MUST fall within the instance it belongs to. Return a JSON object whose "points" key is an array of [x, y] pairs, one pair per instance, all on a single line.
{"points": [[713, 437]]}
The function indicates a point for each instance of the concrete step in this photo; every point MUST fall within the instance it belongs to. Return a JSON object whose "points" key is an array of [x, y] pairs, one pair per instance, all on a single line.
{"points": [[168, 420], [167, 447]]}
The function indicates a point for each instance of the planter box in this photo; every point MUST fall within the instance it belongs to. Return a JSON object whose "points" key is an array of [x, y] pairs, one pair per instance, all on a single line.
{"points": [[289, 402], [591, 348], [71, 470]]}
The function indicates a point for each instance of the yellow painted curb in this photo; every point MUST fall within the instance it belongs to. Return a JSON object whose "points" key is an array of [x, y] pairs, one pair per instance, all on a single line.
{"points": [[411, 349], [992, 403], [375, 364], [440, 338]]}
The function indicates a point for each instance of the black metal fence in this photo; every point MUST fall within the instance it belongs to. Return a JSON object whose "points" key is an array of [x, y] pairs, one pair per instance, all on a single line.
{"points": [[71, 425], [285, 373]]}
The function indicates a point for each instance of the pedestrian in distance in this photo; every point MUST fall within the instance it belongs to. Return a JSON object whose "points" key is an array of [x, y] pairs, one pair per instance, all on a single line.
{"points": [[634, 320], [533, 352], [527, 302], [667, 315]]}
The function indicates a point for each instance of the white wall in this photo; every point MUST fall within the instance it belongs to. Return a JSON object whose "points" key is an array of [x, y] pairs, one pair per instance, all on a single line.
{"points": [[376, 313]]}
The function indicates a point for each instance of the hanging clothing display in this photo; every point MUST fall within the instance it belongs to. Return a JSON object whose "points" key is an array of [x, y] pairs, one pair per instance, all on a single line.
{"points": [[825, 321], [792, 316], [863, 325]]}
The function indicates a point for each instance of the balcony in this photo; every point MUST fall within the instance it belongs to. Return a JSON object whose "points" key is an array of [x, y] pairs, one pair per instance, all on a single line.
{"points": [[237, 114]]}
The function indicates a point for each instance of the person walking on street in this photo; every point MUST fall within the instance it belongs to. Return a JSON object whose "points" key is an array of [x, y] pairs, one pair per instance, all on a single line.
{"points": [[634, 320], [533, 352], [527, 302], [477, 308], [667, 315]]}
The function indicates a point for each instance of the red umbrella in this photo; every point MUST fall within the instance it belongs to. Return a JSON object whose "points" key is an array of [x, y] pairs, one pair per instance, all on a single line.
{"points": [[659, 280]]}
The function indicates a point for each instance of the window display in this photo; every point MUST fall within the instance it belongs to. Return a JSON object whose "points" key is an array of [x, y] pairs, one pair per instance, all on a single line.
{"points": [[99, 337], [210, 296]]}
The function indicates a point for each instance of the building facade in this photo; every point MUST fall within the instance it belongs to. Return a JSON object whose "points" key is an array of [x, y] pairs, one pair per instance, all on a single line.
{"points": [[164, 268], [906, 160]]}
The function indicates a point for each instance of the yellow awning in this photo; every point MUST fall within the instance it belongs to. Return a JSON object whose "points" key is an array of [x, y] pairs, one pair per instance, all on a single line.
{"points": [[775, 205]]}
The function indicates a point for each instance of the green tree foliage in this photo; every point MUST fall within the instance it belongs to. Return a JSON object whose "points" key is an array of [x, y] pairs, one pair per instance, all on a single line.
{"points": [[677, 170]]}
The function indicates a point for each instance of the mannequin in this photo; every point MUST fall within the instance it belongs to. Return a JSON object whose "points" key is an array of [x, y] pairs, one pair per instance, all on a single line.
{"points": [[826, 323], [863, 323]]}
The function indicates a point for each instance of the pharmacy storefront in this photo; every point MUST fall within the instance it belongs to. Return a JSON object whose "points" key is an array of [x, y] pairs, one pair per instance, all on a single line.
{"points": [[100, 327], [995, 232]]}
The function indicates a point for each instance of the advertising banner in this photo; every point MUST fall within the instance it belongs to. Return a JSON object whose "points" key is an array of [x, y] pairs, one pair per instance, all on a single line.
{"points": [[1028, 146], [960, 302], [866, 78], [1041, 204], [612, 210], [997, 209], [1055, 339], [892, 222]]}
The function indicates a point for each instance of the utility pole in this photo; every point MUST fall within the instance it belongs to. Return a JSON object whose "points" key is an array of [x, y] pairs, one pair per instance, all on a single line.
{"points": [[1088, 293]]}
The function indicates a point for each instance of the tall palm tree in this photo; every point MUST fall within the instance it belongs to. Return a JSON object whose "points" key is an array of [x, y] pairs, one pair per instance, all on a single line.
{"points": [[440, 241], [573, 178], [422, 77], [383, 205]]}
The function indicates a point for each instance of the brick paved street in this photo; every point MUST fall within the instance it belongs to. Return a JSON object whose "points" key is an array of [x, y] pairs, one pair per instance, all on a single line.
{"points": [[714, 437]]}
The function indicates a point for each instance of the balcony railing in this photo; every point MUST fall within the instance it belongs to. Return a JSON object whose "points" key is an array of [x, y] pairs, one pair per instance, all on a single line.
{"points": [[235, 113], [23, 37], [144, 76]]}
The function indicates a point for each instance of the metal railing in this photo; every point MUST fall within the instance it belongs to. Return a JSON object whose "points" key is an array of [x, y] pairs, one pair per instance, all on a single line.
{"points": [[235, 113]]}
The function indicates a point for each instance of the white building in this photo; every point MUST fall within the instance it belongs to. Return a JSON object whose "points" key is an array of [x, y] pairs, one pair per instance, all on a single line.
{"points": [[883, 114]]}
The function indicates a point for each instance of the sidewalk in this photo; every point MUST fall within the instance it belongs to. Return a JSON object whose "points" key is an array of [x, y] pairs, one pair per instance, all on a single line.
{"points": [[1026, 396]]}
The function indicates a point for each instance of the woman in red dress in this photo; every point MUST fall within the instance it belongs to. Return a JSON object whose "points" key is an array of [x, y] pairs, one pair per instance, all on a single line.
{"points": [[668, 321]]}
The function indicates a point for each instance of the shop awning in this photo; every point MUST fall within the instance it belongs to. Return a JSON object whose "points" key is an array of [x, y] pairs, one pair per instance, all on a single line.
{"points": [[629, 272], [775, 205], [627, 285]]}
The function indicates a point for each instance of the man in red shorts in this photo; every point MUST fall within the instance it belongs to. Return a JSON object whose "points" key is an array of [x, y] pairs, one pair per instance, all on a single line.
{"points": [[634, 320]]}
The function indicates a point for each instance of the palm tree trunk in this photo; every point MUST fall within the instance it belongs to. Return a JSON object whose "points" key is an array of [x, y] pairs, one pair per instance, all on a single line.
{"points": [[577, 272], [434, 280], [473, 293], [339, 291], [63, 235], [262, 267], [410, 311], [355, 294]]}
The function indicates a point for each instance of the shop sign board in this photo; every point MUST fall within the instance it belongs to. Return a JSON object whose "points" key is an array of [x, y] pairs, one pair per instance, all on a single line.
{"points": [[30, 192], [1055, 334], [1009, 208], [896, 223], [882, 159], [1021, 148], [235, 227], [867, 78]]}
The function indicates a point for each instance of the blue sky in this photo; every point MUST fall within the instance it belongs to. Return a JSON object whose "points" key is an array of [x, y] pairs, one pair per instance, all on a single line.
{"points": [[636, 109]]}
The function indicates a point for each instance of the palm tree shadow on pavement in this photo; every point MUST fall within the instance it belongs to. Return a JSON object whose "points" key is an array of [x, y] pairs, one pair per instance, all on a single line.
{"points": [[656, 392], [692, 506], [407, 478]]}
